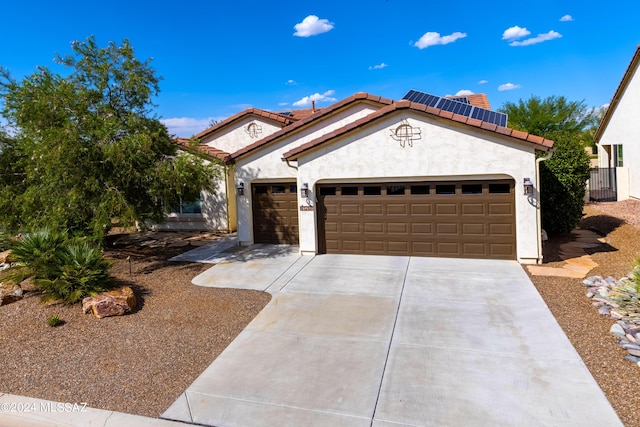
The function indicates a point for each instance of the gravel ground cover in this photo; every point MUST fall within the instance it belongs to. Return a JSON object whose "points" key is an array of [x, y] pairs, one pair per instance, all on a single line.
{"points": [[586, 329], [138, 363]]}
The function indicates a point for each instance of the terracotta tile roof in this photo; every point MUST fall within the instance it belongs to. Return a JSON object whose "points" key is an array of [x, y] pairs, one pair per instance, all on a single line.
{"points": [[626, 78], [479, 100], [475, 99], [280, 119], [539, 142], [185, 144], [299, 114], [358, 97]]}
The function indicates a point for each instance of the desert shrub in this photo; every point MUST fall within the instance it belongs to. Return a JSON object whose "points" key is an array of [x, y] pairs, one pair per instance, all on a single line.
{"points": [[61, 267], [5, 241], [626, 293], [80, 271], [636, 275]]}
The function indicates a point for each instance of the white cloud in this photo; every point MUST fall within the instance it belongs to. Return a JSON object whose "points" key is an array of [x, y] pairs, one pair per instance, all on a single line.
{"points": [[184, 127], [312, 26], [306, 101], [432, 39], [482, 82], [282, 104], [291, 82], [379, 66], [566, 18], [464, 92], [538, 39], [515, 32], [508, 86]]}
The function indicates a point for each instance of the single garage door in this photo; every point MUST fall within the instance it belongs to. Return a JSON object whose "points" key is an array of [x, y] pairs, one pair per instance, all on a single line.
{"points": [[275, 213], [470, 219]]}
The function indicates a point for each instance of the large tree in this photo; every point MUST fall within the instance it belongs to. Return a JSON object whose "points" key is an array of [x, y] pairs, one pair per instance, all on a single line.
{"points": [[564, 176], [85, 147]]}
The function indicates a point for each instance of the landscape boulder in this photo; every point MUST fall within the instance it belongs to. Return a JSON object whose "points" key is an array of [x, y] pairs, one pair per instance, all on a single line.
{"points": [[9, 293], [112, 303], [5, 257]]}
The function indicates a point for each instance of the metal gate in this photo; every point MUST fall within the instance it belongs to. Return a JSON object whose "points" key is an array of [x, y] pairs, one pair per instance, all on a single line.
{"points": [[602, 185]]}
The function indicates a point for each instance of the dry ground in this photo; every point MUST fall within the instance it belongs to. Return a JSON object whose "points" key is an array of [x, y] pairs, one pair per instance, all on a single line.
{"points": [[140, 363], [587, 330]]}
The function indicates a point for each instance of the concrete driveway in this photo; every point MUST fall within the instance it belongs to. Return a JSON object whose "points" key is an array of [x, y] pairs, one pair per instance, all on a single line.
{"points": [[383, 341]]}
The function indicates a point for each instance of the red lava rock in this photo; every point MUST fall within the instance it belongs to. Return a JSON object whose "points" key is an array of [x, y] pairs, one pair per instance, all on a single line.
{"points": [[113, 303]]}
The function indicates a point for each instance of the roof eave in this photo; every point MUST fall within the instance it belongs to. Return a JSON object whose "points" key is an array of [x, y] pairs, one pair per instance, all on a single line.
{"points": [[626, 78], [538, 143], [325, 112], [274, 117]]}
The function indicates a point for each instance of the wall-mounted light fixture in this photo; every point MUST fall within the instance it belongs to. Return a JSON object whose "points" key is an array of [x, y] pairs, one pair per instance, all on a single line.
{"points": [[304, 190], [240, 188], [528, 186]]}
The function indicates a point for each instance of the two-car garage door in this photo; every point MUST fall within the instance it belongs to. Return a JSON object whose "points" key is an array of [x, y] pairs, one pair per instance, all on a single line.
{"points": [[465, 219], [471, 219]]}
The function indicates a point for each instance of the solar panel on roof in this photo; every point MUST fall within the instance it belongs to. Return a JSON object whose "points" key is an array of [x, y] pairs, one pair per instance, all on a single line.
{"points": [[286, 113], [422, 98], [457, 106], [454, 106]]}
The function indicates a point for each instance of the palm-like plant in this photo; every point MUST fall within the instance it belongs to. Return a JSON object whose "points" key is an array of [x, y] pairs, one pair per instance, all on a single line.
{"points": [[35, 255], [62, 268], [80, 271]]}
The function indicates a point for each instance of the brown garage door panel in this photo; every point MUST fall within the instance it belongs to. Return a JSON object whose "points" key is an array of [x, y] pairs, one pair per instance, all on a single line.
{"points": [[452, 219], [474, 249], [275, 213]]}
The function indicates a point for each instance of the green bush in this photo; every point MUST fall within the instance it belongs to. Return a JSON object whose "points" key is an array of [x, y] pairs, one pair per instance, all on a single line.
{"points": [[63, 268], [563, 184], [5, 241], [563, 177]]}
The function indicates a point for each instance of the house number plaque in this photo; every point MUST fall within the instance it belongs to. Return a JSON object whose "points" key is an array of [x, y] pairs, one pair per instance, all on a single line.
{"points": [[306, 208]]}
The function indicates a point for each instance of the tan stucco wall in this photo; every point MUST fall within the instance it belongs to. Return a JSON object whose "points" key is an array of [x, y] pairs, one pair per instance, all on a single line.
{"points": [[235, 137], [441, 154], [266, 164], [445, 151]]}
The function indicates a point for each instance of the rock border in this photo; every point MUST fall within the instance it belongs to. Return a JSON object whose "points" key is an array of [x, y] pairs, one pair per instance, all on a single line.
{"points": [[607, 294]]}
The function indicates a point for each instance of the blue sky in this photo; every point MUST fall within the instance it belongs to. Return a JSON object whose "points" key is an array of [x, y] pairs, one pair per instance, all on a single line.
{"points": [[217, 58]]}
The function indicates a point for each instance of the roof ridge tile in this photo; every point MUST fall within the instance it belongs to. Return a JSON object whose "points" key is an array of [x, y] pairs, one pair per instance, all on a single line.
{"points": [[538, 141]]}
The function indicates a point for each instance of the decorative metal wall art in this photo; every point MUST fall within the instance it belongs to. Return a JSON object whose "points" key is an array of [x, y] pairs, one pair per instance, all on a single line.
{"points": [[253, 129], [405, 134]]}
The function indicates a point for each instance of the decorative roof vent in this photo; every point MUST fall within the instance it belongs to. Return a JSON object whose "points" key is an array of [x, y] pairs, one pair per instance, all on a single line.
{"points": [[253, 129], [406, 134]]}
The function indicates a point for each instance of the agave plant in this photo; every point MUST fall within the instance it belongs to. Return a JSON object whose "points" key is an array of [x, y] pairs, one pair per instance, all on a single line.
{"points": [[35, 255]]}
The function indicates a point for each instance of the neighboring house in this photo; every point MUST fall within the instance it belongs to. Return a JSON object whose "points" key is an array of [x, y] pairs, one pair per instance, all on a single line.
{"points": [[369, 175], [477, 99], [618, 136]]}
